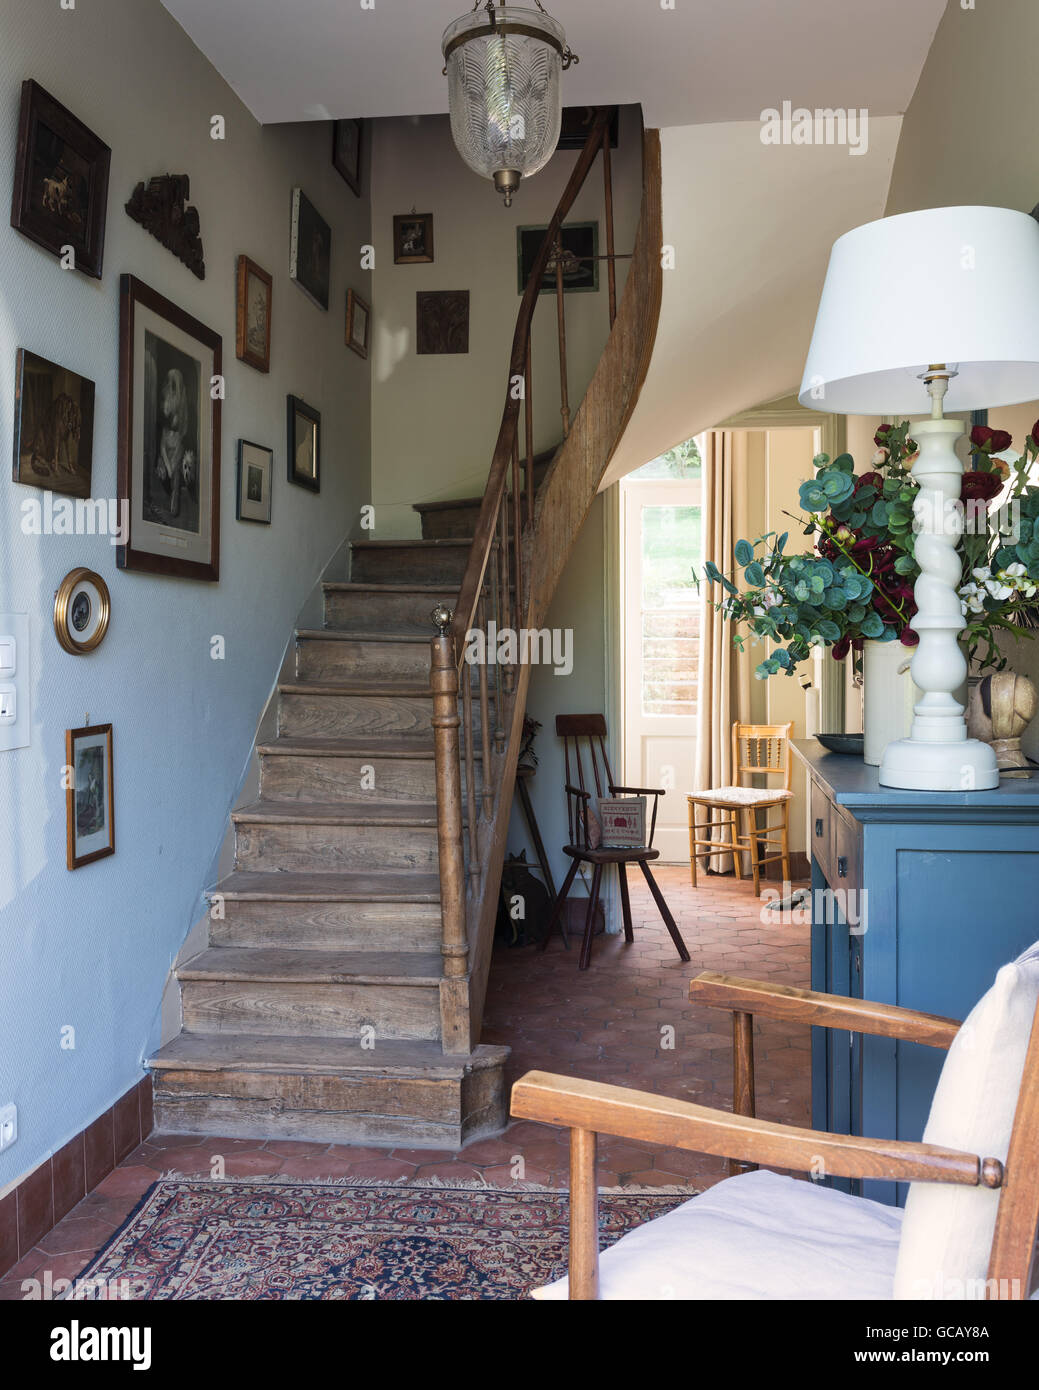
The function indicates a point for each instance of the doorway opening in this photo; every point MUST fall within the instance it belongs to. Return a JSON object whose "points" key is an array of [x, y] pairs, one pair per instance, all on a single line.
{"points": [[661, 535]]}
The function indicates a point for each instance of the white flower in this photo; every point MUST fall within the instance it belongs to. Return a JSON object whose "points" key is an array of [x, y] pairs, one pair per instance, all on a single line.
{"points": [[1014, 570], [982, 573]]}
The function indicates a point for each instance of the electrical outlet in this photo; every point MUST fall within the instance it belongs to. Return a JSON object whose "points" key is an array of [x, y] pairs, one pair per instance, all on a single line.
{"points": [[8, 1125]]}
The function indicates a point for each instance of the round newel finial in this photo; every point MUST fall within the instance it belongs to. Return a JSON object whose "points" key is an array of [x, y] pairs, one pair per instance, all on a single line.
{"points": [[441, 618]]}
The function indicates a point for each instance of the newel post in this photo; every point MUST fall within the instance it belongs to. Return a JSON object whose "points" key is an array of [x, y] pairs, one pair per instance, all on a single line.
{"points": [[454, 986]]}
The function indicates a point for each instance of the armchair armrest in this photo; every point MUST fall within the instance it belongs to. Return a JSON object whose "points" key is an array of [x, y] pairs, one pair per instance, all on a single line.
{"points": [[637, 791], [576, 791], [823, 1010]]}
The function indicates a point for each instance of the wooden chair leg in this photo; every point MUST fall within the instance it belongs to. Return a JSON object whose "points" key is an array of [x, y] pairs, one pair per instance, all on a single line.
{"points": [[692, 841], [755, 850], [557, 908], [664, 910], [622, 875], [784, 838], [733, 828], [589, 924]]}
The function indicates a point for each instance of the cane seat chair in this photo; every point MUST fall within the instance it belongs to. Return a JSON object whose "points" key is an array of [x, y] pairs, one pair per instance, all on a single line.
{"points": [[758, 750]]}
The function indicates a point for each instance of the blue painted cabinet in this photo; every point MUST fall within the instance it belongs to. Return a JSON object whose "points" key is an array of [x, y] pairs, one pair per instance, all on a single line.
{"points": [[919, 898]]}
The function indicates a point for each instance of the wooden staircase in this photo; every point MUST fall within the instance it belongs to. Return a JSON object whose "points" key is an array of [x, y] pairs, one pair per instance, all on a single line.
{"points": [[314, 1012], [340, 996]]}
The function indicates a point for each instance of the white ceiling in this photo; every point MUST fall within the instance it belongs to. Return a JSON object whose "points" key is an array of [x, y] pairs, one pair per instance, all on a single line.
{"points": [[703, 61]]}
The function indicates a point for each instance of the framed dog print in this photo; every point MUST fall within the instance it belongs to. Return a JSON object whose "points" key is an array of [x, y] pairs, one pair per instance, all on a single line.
{"points": [[310, 260], [358, 323], [254, 301], [60, 181], [304, 445], [255, 472], [89, 808], [413, 238], [169, 436], [53, 426], [346, 151]]}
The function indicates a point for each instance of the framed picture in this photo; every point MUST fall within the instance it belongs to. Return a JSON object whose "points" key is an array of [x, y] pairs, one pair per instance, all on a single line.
{"points": [[254, 300], [169, 436], [413, 238], [255, 472], [580, 257], [82, 608], [60, 181], [310, 259], [304, 445], [577, 122], [53, 426], [346, 151], [442, 322], [89, 807], [358, 323]]}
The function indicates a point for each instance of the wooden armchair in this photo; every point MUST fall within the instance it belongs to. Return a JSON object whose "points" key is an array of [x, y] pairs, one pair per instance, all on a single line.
{"points": [[589, 1108]]}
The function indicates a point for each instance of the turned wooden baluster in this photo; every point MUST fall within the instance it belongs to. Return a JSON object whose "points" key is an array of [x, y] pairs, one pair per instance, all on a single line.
{"points": [[528, 424], [506, 590], [611, 265], [454, 945], [742, 1076], [517, 530], [564, 390], [485, 721], [470, 772]]}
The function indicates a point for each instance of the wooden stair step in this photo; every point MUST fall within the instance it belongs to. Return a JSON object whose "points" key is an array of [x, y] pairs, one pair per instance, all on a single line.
{"points": [[328, 1089], [305, 836], [430, 561], [373, 606], [278, 965], [358, 709], [362, 886], [349, 770], [385, 813], [418, 747]]}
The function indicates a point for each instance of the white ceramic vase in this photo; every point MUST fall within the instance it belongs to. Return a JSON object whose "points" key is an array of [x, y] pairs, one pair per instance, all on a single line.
{"points": [[888, 697]]}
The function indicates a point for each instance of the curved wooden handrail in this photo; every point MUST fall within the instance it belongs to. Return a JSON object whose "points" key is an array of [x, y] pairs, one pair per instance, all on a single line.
{"points": [[483, 537]]}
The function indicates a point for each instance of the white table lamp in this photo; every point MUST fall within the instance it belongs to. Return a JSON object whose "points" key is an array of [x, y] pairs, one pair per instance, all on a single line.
{"points": [[943, 303]]}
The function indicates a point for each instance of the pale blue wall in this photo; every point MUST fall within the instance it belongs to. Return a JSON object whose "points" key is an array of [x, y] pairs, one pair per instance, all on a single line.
{"points": [[93, 948]]}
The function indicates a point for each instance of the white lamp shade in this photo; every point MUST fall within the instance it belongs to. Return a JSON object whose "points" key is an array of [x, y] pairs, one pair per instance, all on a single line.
{"points": [[953, 285]]}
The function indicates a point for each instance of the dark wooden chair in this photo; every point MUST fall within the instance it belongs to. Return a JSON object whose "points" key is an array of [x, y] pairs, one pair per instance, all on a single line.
{"points": [[591, 728]]}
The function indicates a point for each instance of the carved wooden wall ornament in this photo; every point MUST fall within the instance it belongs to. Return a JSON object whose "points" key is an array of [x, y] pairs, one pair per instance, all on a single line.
{"points": [[161, 207]]}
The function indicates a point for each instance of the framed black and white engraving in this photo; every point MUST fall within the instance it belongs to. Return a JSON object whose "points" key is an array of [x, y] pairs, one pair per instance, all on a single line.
{"points": [[255, 475]]}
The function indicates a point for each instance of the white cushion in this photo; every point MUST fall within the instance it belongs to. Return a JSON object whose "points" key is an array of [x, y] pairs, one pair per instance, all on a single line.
{"points": [[948, 1230], [756, 1236], [740, 796]]}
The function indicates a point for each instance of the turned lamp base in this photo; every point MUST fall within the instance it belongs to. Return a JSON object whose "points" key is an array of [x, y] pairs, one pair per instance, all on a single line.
{"points": [[964, 766]]}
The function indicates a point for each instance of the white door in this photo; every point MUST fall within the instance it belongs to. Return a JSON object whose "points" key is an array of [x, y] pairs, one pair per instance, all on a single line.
{"points": [[662, 542]]}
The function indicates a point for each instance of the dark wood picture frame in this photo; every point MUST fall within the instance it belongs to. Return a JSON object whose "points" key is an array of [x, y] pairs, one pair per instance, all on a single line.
{"points": [[401, 256], [298, 409], [134, 293], [72, 736], [43, 116], [244, 444], [580, 239], [360, 344], [310, 250], [441, 322], [347, 160], [248, 269], [74, 482]]}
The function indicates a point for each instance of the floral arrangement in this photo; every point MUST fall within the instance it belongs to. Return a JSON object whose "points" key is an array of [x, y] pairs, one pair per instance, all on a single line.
{"points": [[857, 585]]}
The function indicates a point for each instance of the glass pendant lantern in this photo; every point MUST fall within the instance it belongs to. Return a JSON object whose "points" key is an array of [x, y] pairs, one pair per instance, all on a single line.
{"points": [[503, 70]]}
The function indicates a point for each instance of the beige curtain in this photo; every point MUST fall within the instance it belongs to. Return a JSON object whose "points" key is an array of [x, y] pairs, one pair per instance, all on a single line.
{"points": [[724, 675]]}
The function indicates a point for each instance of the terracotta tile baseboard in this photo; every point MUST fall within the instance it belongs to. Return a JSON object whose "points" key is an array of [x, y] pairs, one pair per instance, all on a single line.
{"points": [[49, 1192]]}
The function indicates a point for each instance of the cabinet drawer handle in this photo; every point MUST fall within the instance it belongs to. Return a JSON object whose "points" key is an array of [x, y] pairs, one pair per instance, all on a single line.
{"points": [[819, 826], [842, 866]]}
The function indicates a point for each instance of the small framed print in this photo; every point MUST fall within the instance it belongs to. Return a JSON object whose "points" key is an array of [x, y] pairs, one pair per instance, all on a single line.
{"points": [[304, 445], [89, 806], [82, 608], [310, 256], [60, 181], [413, 238], [579, 260], [254, 302], [53, 426], [255, 471], [358, 323], [623, 822], [169, 436], [346, 151]]}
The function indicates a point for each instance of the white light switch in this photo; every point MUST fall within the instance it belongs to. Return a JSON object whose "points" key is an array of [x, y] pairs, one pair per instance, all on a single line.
{"points": [[8, 704], [15, 682], [8, 647]]}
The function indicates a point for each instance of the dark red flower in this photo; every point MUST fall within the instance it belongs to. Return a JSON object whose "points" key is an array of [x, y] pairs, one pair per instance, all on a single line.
{"points": [[909, 638], [980, 436], [1000, 440], [840, 648], [990, 441], [1035, 431], [980, 487], [870, 480], [880, 438]]}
